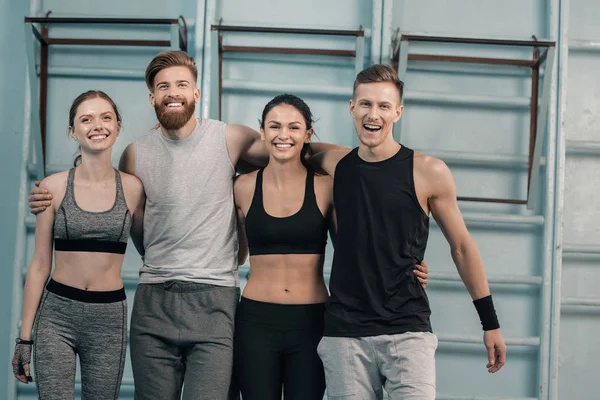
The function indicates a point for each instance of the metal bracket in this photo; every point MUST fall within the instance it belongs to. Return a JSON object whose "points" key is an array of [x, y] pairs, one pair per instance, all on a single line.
{"points": [[178, 40], [538, 114], [217, 46]]}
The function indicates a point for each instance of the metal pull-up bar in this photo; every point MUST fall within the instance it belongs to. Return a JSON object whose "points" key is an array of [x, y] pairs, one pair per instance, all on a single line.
{"points": [[217, 45], [538, 118], [44, 39], [178, 40], [293, 31], [483, 41]]}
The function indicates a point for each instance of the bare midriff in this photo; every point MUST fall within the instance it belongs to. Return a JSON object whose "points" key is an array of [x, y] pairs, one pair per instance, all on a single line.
{"points": [[88, 271], [286, 279]]}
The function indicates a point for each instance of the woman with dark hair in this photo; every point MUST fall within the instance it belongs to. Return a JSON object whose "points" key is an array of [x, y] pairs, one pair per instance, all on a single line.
{"points": [[284, 212], [82, 309]]}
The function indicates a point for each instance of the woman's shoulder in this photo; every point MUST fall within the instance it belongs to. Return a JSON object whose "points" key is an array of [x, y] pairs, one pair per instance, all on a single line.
{"points": [[245, 179], [55, 182]]}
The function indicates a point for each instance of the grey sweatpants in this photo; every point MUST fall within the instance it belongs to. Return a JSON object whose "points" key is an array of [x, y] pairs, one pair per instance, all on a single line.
{"points": [[97, 332], [182, 340], [361, 367]]}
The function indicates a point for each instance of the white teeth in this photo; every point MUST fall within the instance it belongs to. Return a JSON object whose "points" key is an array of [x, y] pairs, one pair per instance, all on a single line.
{"points": [[371, 126], [174, 104], [98, 137], [283, 145]]}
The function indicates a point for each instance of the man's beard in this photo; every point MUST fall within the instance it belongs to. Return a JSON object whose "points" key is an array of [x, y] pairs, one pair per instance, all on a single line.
{"points": [[170, 120]]}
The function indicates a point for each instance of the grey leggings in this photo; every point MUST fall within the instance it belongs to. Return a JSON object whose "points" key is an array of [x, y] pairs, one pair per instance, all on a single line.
{"points": [[93, 325]]}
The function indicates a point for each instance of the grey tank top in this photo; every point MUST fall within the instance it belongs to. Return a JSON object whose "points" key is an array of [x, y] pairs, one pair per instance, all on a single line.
{"points": [[190, 227], [76, 229]]}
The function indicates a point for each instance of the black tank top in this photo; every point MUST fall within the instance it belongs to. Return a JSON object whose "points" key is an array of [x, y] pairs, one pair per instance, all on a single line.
{"points": [[382, 234], [305, 232]]}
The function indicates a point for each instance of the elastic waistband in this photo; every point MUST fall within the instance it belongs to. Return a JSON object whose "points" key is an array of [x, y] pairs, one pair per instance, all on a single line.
{"points": [[185, 286], [86, 296], [285, 316]]}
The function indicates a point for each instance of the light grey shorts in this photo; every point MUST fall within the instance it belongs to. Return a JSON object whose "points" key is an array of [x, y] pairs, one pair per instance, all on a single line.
{"points": [[362, 367]]}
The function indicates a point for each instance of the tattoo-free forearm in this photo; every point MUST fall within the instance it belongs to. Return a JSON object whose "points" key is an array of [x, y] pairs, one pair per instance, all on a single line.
{"points": [[470, 268], [32, 293]]}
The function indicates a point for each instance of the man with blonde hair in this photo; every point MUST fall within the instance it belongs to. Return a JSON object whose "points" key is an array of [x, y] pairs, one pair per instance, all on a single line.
{"points": [[377, 329]]}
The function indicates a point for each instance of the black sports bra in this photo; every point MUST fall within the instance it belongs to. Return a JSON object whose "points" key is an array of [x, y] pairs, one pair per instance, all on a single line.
{"points": [[305, 232]]}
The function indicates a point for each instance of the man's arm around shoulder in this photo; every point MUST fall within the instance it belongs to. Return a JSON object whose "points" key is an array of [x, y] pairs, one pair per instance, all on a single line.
{"points": [[127, 161]]}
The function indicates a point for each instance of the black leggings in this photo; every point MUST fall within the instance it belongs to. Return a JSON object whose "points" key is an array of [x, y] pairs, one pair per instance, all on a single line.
{"points": [[275, 345]]}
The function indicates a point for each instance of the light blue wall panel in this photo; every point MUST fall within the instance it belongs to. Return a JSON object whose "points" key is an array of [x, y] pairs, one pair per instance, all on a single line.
{"points": [[513, 18], [12, 102], [477, 382], [579, 325], [117, 8], [311, 13], [583, 101]]}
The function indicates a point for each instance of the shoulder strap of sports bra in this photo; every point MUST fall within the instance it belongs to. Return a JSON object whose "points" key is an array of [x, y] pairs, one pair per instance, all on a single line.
{"points": [[120, 191], [257, 198], [309, 191], [70, 191]]}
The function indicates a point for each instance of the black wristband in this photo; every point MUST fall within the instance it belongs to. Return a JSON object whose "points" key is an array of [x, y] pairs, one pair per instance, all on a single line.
{"points": [[21, 341], [487, 313]]}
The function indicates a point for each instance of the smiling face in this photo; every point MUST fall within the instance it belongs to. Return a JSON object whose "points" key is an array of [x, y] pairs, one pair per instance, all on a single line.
{"points": [[375, 108], [95, 125], [174, 96], [284, 132]]}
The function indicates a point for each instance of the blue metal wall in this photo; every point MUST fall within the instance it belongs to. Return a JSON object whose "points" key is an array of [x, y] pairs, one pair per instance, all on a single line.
{"points": [[475, 118], [578, 269], [12, 101]]}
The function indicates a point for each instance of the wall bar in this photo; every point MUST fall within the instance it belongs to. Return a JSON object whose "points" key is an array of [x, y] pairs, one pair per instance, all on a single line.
{"points": [[295, 31], [583, 147], [467, 339], [579, 302], [498, 42]]}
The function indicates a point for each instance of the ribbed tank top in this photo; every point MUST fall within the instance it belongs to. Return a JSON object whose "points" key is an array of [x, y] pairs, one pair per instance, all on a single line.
{"points": [[190, 227]]}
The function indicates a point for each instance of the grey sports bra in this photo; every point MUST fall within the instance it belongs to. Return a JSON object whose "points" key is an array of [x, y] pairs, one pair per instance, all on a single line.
{"points": [[79, 230]]}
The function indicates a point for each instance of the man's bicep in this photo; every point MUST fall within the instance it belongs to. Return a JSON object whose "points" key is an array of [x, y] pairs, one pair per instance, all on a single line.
{"points": [[236, 141], [328, 160], [127, 161], [444, 207], [137, 230], [245, 143], [242, 238]]}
